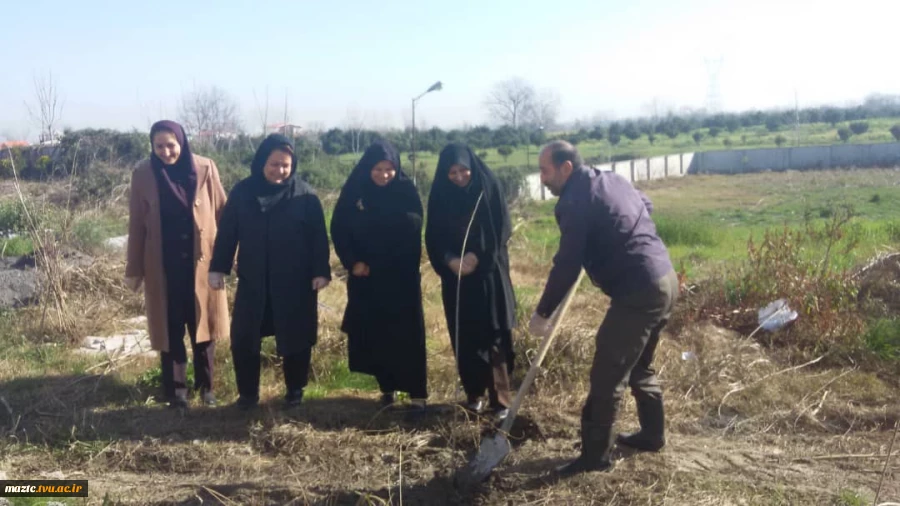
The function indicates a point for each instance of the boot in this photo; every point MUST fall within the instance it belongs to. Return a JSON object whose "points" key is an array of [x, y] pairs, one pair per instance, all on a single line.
{"points": [[651, 437], [596, 444], [583, 464], [180, 400]]}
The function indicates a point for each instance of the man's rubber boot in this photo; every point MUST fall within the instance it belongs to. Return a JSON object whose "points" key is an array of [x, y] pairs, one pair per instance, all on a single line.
{"points": [[651, 437], [596, 444]]}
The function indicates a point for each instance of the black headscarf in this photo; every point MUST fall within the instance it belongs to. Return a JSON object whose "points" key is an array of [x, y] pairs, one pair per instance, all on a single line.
{"points": [[270, 194], [359, 190], [450, 206], [177, 182], [371, 221]]}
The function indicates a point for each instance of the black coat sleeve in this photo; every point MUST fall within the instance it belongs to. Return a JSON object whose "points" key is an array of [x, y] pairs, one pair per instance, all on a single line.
{"points": [[226, 242], [413, 234], [436, 243], [497, 236], [318, 233], [342, 232]]}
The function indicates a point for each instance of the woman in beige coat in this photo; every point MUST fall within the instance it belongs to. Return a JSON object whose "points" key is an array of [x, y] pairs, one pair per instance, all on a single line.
{"points": [[176, 200]]}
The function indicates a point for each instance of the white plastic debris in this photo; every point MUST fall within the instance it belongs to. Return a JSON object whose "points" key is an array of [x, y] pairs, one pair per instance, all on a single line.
{"points": [[776, 315], [132, 343], [688, 355], [117, 242], [137, 320]]}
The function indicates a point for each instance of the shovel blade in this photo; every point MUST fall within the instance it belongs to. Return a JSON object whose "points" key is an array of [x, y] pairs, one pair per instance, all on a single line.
{"points": [[490, 454]]}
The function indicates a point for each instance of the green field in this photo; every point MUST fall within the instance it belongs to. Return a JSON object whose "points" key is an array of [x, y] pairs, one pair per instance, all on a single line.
{"points": [[706, 221]]}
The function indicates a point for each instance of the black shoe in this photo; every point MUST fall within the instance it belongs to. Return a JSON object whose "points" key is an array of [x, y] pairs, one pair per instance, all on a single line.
{"points": [[500, 414], [639, 441], [293, 398], [583, 465], [476, 406], [208, 399], [246, 403], [387, 400]]}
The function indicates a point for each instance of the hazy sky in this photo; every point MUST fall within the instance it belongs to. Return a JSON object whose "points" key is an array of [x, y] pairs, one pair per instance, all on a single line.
{"points": [[123, 64]]}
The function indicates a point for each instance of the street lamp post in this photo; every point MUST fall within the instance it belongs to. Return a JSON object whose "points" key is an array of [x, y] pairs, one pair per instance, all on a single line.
{"points": [[434, 87]]}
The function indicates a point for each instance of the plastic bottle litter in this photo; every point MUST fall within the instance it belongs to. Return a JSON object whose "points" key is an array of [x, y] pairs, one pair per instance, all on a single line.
{"points": [[776, 315]]}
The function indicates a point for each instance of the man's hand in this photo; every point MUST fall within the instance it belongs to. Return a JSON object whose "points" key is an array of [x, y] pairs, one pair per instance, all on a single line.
{"points": [[216, 280], [539, 326], [134, 283], [469, 263], [360, 270], [319, 283]]}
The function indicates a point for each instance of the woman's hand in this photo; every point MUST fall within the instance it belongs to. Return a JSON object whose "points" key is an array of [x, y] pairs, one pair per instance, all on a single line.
{"points": [[319, 283], [469, 263], [360, 270]]}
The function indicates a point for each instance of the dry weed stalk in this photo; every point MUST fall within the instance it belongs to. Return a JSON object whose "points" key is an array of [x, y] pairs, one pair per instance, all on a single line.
{"points": [[757, 382], [886, 461], [47, 259]]}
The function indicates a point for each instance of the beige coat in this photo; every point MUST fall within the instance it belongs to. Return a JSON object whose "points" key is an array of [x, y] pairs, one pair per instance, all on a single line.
{"points": [[145, 251]]}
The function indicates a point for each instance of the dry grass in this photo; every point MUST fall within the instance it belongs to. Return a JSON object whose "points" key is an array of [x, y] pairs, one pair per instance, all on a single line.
{"points": [[746, 425]]}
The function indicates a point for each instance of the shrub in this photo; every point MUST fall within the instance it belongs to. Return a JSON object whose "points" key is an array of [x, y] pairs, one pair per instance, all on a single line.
{"points": [[820, 288], [859, 127], [895, 131], [512, 182]]}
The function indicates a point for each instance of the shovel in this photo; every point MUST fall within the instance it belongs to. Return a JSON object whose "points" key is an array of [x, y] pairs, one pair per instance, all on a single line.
{"points": [[496, 447]]}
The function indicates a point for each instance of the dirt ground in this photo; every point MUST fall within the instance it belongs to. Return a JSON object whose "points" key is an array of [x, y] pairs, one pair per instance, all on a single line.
{"points": [[785, 443]]}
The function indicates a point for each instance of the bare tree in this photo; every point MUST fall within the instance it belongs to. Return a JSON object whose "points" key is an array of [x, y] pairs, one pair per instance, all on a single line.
{"points": [[544, 109], [509, 101], [47, 111], [356, 122], [209, 110], [263, 111]]}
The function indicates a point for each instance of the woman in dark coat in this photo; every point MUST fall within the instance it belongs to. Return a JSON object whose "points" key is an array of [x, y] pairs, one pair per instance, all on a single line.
{"points": [[377, 233], [482, 341], [276, 223]]}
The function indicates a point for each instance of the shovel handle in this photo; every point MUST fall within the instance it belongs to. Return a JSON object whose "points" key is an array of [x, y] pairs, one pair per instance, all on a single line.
{"points": [[542, 352]]}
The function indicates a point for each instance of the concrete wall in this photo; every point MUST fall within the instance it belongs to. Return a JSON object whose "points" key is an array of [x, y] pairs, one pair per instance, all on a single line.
{"points": [[802, 158], [746, 160], [640, 169]]}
